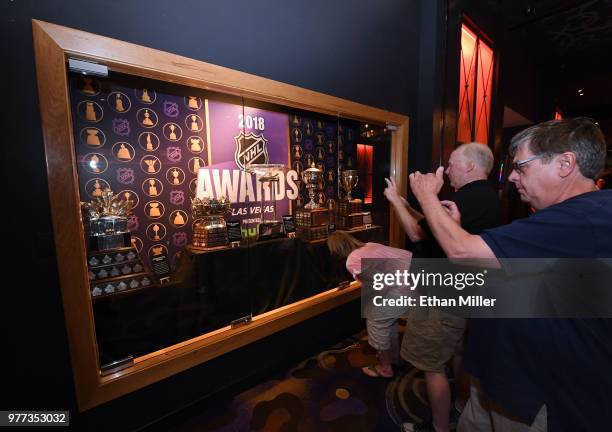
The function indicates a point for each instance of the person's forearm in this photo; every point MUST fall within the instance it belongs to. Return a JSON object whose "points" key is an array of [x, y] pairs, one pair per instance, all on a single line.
{"points": [[409, 221], [456, 242], [415, 214]]}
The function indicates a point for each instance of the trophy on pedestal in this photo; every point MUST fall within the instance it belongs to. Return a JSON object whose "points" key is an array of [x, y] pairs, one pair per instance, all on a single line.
{"points": [[349, 179], [312, 178], [267, 175], [211, 231], [107, 221], [349, 210], [112, 261], [312, 220]]}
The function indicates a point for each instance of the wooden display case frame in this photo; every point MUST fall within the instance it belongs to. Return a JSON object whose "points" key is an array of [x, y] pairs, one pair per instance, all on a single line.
{"points": [[53, 45]]}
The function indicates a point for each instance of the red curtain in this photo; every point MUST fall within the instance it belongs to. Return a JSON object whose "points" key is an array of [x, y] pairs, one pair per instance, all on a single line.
{"points": [[365, 154], [475, 86]]}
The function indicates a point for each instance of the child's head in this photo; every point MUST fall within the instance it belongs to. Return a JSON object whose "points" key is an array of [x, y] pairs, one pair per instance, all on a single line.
{"points": [[342, 244]]}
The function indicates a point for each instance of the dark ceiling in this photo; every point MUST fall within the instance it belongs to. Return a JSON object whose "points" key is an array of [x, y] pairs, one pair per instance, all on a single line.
{"points": [[561, 28], [572, 42]]}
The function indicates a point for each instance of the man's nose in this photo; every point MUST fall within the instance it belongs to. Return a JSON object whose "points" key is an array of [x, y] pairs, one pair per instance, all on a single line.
{"points": [[513, 177]]}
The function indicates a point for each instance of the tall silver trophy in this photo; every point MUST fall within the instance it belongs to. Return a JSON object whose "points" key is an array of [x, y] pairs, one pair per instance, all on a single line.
{"points": [[312, 221], [312, 178], [350, 214], [349, 179]]}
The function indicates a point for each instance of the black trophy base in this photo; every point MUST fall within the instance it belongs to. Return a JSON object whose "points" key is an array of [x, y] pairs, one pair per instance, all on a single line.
{"points": [[109, 241], [349, 207], [119, 285], [349, 222], [311, 217], [208, 237], [312, 233], [115, 271]]}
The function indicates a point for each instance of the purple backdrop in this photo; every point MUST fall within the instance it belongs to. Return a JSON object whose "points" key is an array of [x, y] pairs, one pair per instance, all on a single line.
{"points": [[238, 137]]}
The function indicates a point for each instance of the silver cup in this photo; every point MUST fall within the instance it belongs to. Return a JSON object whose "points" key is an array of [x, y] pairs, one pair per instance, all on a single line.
{"points": [[312, 177], [349, 179], [267, 174], [211, 211]]}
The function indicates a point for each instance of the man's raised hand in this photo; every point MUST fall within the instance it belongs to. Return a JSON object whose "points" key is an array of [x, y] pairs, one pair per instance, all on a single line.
{"points": [[424, 185]]}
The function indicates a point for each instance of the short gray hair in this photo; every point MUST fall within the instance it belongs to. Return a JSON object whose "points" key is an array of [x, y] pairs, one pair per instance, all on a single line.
{"points": [[581, 136], [478, 153]]}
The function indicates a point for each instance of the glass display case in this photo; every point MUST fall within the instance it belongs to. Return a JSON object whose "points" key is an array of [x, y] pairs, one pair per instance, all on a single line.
{"points": [[191, 204]]}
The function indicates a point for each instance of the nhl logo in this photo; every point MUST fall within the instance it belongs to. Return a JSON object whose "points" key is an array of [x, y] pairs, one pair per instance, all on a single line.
{"points": [[121, 127], [133, 223], [174, 154], [125, 175], [177, 197], [171, 109], [250, 149], [179, 239]]}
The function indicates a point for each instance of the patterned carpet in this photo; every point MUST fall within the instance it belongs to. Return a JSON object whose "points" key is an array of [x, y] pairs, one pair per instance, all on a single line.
{"points": [[327, 392]]}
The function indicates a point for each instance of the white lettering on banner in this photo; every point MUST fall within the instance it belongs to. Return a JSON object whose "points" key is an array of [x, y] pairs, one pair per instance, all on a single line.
{"points": [[224, 185], [241, 186], [246, 187], [251, 122], [292, 193]]}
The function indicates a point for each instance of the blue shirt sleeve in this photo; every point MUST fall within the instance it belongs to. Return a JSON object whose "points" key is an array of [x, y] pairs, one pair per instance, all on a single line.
{"points": [[555, 232]]}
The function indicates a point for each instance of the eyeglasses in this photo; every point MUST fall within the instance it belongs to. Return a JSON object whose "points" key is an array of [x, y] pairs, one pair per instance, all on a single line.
{"points": [[518, 165]]}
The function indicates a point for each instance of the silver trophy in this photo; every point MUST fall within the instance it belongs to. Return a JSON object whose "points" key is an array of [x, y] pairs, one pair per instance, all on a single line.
{"points": [[349, 179], [212, 230], [107, 221], [267, 174], [210, 207], [312, 178]]}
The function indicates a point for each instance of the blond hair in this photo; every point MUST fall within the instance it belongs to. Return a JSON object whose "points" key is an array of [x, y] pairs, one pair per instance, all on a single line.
{"points": [[342, 244]]}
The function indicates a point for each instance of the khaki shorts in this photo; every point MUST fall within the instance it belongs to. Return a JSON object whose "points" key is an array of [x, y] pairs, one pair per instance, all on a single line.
{"points": [[429, 344]]}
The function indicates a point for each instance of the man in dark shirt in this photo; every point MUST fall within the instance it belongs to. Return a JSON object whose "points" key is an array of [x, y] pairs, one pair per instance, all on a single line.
{"points": [[538, 374], [430, 343]]}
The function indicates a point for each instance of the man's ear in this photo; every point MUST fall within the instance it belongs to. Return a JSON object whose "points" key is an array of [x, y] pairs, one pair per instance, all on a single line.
{"points": [[469, 166], [567, 163]]}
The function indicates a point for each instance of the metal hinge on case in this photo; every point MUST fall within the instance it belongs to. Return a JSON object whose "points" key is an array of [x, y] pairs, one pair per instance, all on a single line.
{"points": [[117, 365], [391, 127], [245, 320], [87, 67]]}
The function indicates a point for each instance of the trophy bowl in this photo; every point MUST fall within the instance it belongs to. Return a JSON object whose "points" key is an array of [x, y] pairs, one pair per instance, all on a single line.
{"points": [[211, 231], [210, 206], [312, 178], [265, 172], [349, 179], [267, 175]]}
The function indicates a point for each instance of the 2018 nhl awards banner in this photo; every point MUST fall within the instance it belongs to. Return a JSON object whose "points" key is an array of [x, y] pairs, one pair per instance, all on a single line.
{"points": [[239, 137]]}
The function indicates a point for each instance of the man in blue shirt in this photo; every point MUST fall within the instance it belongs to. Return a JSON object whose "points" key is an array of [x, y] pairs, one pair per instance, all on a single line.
{"points": [[538, 374], [429, 344]]}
